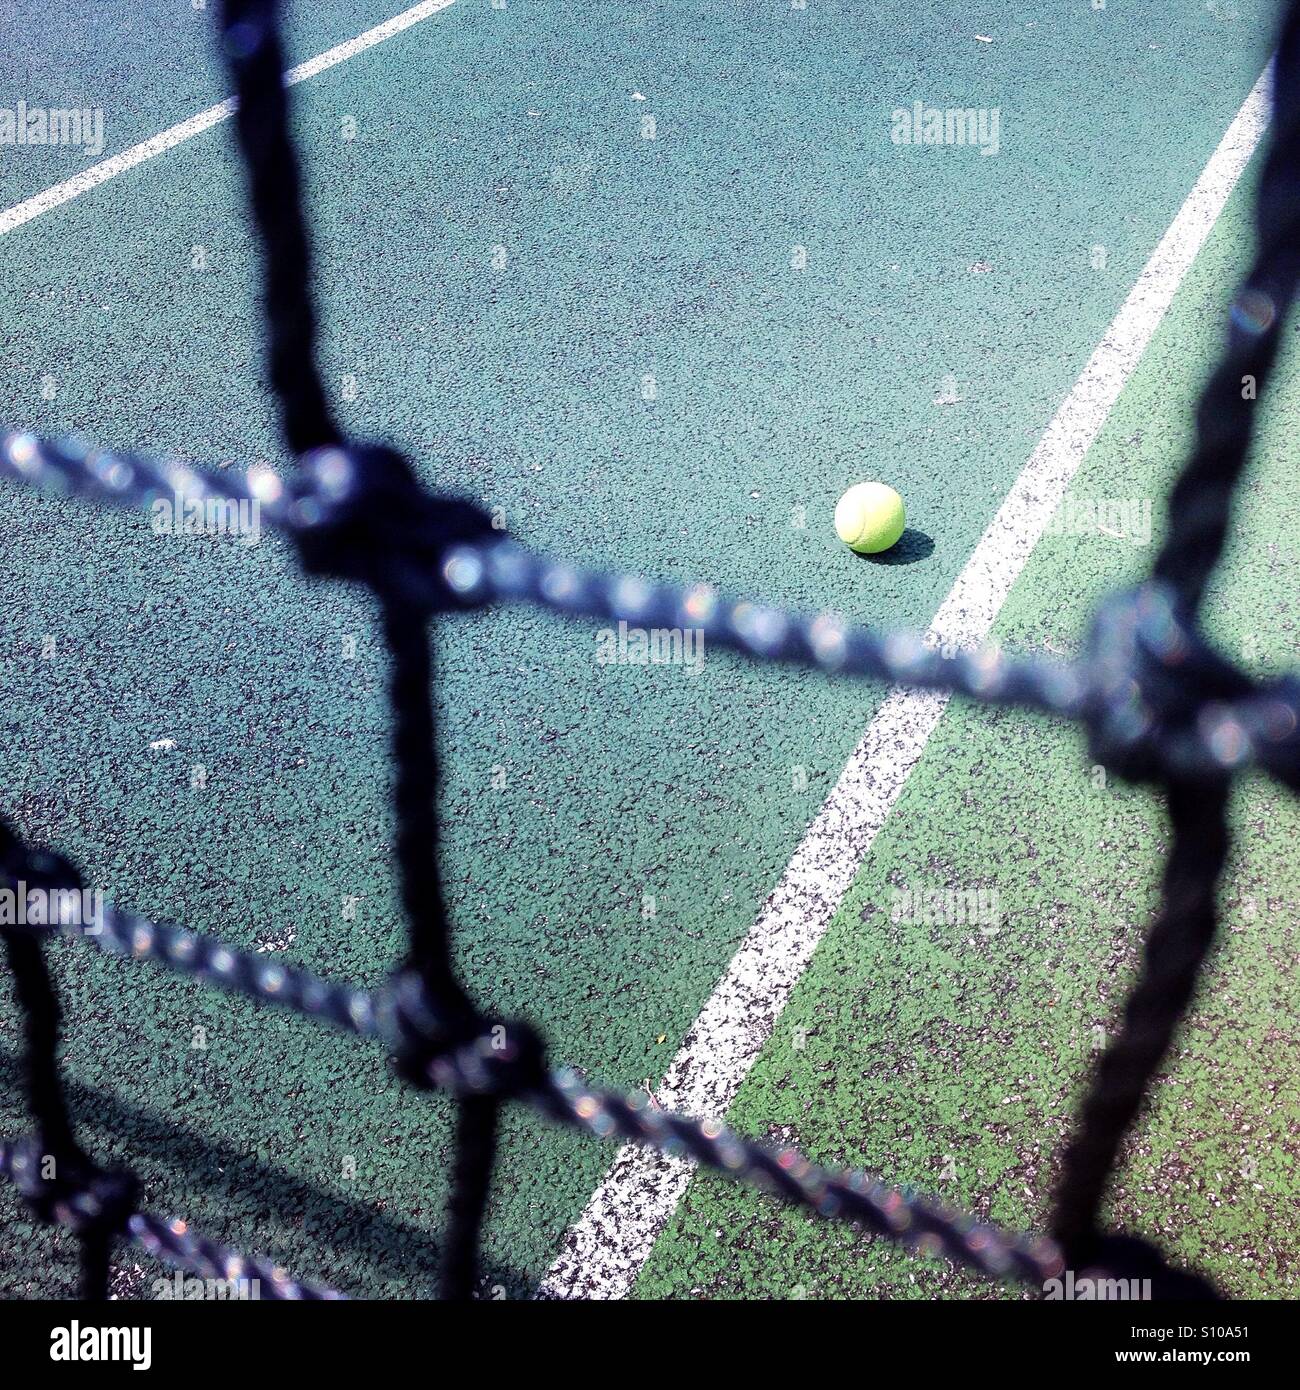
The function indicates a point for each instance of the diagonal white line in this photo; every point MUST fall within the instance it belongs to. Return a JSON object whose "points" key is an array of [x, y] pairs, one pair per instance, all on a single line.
{"points": [[604, 1251], [110, 168]]}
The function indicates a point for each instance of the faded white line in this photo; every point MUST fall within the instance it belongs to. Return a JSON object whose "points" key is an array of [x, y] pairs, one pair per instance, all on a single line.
{"points": [[604, 1251], [117, 164]]}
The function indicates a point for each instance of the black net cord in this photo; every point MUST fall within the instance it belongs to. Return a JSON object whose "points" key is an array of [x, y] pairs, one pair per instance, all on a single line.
{"points": [[415, 798], [96, 1249], [1176, 948], [39, 1003], [254, 52], [477, 1121], [1200, 504], [252, 48], [415, 792]]}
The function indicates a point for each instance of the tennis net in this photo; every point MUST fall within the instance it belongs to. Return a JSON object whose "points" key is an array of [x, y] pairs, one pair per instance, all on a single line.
{"points": [[1160, 706]]}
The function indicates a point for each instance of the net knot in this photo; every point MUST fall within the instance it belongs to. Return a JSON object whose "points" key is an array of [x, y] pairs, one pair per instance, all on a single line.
{"points": [[1162, 703], [36, 868], [1111, 1257], [470, 1056], [69, 1190], [361, 514]]}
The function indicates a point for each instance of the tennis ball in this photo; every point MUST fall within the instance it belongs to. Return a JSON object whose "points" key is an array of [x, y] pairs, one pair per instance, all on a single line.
{"points": [[869, 518]]}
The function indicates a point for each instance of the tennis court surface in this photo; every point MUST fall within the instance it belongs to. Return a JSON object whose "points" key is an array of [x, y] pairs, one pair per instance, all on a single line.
{"points": [[650, 287]]}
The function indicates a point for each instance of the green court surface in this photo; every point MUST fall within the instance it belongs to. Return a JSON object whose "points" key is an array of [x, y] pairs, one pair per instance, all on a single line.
{"points": [[503, 260]]}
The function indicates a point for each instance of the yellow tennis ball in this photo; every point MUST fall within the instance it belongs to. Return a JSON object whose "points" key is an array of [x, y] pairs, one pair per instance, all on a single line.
{"points": [[869, 518]]}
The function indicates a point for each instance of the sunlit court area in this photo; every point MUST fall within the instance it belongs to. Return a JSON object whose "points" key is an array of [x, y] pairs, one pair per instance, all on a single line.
{"points": [[647, 652]]}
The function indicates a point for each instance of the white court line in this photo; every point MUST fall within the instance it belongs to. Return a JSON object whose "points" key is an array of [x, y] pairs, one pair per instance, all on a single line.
{"points": [[603, 1252], [116, 164]]}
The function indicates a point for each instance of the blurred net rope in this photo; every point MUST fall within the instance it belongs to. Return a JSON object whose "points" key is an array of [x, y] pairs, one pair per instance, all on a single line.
{"points": [[1159, 704]]}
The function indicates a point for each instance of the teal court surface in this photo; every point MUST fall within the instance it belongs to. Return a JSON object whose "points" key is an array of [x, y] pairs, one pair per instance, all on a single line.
{"points": [[655, 283]]}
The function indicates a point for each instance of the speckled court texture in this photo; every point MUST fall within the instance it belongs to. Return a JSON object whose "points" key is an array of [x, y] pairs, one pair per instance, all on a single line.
{"points": [[612, 831]]}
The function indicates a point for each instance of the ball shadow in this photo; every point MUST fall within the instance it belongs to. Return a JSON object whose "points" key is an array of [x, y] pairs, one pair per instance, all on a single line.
{"points": [[911, 546]]}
